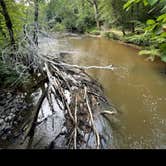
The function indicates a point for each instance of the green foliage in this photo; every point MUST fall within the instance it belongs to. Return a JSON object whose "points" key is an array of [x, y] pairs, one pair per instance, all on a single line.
{"points": [[111, 35], [106, 13], [150, 22], [84, 21], [151, 52], [17, 15], [155, 28], [73, 15], [142, 22], [140, 39], [93, 31], [58, 27], [129, 3], [163, 51], [10, 76], [7, 75]]}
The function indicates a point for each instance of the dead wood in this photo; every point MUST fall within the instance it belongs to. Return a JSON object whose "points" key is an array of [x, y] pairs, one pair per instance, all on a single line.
{"points": [[81, 107]]}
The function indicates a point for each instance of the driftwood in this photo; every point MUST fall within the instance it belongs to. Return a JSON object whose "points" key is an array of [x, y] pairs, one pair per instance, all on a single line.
{"points": [[82, 108], [86, 99]]}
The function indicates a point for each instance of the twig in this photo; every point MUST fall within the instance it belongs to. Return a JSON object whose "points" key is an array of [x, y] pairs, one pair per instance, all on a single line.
{"points": [[56, 83], [32, 129], [92, 121], [99, 96], [109, 67], [75, 128], [108, 112]]}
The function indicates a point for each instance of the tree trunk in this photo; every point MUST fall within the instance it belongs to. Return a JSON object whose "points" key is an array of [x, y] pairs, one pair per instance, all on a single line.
{"points": [[123, 31], [132, 24], [94, 3], [7, 21], [96, 10], [36, 19]]}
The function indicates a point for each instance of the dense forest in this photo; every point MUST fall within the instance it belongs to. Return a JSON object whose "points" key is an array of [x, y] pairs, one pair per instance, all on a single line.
{"points": [[142, 22], [22, 22]]}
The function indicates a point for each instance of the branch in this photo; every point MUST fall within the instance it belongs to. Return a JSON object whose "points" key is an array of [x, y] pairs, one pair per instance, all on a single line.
{"points": [[75, 128], [91, 117], [34, 123]]}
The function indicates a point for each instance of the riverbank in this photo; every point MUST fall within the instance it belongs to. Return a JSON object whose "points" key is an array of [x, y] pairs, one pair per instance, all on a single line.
{"points": [[139, 40], [117, 35]]}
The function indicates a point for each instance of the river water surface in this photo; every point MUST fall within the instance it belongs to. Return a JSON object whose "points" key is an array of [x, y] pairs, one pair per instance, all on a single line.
{"points": [[136, 87]]}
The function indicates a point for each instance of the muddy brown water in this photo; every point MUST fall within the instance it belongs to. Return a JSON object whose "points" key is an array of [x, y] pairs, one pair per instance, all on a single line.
{"points": [[136, 87]]}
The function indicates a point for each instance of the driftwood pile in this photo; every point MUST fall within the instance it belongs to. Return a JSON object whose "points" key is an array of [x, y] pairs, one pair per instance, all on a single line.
{"points": [[83, 106]]}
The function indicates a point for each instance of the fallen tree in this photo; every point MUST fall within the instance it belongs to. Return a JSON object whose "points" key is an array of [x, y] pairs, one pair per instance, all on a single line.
{"points": [[78, 96]]}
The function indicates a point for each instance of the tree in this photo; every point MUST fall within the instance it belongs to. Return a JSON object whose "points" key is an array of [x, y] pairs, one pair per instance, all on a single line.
{"points": [[8, 21], [36, 17], [95, 4], [154, 26], [70, 15]]}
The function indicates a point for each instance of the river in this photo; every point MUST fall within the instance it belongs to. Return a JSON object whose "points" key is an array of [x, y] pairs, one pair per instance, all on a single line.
{"points": [[136, 87]]}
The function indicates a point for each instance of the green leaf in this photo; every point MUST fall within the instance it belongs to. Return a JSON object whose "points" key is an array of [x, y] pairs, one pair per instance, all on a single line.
{"points": [[150, 28], [152, 52], [152, 2], [145, 2], [163, 34], [163, 9], [161, 17], [128, 4], [163, 58], [150, 22], [163, 47]]}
